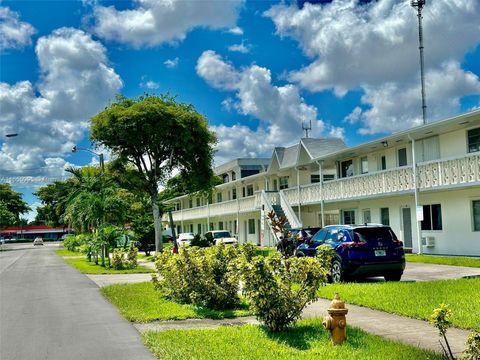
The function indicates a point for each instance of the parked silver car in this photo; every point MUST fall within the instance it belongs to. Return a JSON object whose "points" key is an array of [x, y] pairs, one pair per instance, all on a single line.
{"points": [[38, 241]]}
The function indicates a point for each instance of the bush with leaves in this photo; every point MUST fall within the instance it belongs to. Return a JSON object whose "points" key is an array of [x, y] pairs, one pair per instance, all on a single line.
{"points": [[72, 243], [132, 256], [278, 289], [117, 259], [472, 352], [201, 276], [440, 318]]}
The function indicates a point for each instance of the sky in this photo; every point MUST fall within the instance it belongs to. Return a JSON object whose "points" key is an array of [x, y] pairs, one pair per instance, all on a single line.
{"points": [[255, 69]]}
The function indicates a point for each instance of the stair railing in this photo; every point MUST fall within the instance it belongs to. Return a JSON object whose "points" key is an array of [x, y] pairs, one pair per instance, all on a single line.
{"points": [[289, 213], [267, 207]]}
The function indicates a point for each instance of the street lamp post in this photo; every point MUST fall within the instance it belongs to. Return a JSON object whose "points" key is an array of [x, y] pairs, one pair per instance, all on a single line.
{"points": [[100, 155]]}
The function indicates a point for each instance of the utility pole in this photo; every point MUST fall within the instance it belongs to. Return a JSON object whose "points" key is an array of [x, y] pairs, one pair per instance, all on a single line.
{"points": [[419, 4]]}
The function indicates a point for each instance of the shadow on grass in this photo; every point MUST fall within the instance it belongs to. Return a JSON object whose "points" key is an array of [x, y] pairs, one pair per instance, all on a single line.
{"points": [[221, 314], [300, 337]]}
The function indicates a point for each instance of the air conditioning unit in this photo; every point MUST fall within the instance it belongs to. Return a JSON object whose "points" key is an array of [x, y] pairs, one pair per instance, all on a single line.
{"points": [[430, 243]]}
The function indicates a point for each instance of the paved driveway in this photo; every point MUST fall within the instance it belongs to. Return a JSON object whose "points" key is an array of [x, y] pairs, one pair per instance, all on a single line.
{"points": [[48, 310]]}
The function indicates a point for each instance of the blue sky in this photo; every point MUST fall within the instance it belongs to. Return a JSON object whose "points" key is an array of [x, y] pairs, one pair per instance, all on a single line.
{"points": [[255, 69]]}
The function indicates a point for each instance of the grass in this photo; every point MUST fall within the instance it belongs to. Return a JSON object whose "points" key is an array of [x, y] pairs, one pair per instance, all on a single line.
{"points": [[266, 251], [416, 300], [444, 260], [140, 302], [86, 267], [66, 252], [306, 340], [145, 257]]}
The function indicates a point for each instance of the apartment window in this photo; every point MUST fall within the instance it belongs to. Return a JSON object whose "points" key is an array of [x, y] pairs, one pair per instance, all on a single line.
{"points": [[191, 228], [348, 217], [198, 201], [190, 203], [367, 216], [249, 190], [219, 197], [251, 226], [364, 163], [383, 163], [432, 217], [220, 225], [275, 185], [235, 230], [473, 140], [199, 228], [283, 182], [346, 168], [225, 178], [328, 177], [234, 194], [385, 216], [314, 178], [476, 215], [234, 176], [402, 157]]}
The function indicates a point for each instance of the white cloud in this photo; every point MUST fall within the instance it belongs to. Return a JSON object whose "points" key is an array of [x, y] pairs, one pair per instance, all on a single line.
{"points": [[373, 43], [14, 34], [241, 48], [281, 109], [337, 132], [75, 82], [395, 106], [171, 63], [354, 116], [236, 30], [148, 84], [153, 22]]}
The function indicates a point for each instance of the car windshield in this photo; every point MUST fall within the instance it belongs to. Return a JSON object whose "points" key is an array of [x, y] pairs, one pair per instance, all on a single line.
{"points": [[221, 234], [374, 234]]}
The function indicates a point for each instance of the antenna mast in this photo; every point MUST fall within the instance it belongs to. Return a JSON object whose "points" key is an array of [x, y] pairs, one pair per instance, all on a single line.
{"points": [[419, 4], [306, 127]]}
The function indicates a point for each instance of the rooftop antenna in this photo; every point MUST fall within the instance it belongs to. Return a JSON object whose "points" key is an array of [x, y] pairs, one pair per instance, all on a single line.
{"points": [[306, 127], [419, 4]]}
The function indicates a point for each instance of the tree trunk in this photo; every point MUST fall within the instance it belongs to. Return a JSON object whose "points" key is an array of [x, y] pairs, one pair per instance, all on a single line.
{"points": [[157, 221]]}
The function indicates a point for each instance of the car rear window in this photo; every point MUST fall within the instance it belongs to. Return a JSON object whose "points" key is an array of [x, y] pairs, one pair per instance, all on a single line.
{"points": [[222, 234], [374, 234]]}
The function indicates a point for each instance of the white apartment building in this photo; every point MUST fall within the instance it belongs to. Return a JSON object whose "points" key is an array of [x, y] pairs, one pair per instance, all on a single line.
{"points": [[424, 182]]}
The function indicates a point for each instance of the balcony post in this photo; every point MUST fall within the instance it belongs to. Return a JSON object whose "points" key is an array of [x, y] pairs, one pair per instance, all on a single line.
{"points": [[415, 187], [320, 173], [298, 193], [208, 215]]}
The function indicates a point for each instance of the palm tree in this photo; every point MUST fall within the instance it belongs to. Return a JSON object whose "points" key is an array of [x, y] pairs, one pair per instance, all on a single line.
{"points": [[95, 201]]}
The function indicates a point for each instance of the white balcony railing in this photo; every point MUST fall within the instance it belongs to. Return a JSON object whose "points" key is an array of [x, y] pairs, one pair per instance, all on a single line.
{"points": [[439, 173]]}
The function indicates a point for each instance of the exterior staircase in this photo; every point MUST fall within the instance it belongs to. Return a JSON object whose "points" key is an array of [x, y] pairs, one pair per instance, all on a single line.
{"points": [[279, 213]]}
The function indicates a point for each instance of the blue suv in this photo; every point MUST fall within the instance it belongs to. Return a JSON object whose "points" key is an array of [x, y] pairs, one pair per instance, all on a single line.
{"points": [[360, 251]]}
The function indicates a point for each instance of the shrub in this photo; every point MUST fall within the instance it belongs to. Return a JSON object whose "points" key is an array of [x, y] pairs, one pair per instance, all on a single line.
{"points": [[472, 352], [440, 318], [72, 243], [117, 259], [201, 276], [132, 256], [278, 289]]}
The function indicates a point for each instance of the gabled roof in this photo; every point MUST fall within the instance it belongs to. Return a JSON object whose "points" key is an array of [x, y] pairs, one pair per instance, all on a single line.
{"points": [[319, 147]]}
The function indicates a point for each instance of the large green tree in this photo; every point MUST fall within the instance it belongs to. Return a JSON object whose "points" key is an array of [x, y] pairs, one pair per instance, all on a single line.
{"points": [[157, 135], [12, 203], [54, 198]]}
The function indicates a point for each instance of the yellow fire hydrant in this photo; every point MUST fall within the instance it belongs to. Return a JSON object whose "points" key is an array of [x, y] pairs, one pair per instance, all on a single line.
{"points": [[336, 322]]}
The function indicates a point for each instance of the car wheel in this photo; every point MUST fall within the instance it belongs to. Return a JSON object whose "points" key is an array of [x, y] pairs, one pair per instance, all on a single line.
{"points": [[299, 254], [336, 272], [393, 277]]}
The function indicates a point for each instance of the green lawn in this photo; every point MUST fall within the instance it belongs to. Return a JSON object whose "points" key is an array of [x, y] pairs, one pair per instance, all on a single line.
{"points": [[266, 251], [65, 252], [306, 340], [416, 300], [142, 303], [444, 260], [145, 257], [86, 267]]}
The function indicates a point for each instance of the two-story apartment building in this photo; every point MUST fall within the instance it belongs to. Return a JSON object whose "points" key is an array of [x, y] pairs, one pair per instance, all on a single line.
{"points": [[424, 182]]}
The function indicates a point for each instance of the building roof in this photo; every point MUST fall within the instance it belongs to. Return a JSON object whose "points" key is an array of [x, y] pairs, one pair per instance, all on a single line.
{"points": [[31, 229], [319, 147]]}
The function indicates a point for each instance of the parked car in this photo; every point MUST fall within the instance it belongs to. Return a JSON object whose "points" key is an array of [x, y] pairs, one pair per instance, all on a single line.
{"points": [[38, 241], [220, 236], [360, 251], [185, 239]]}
